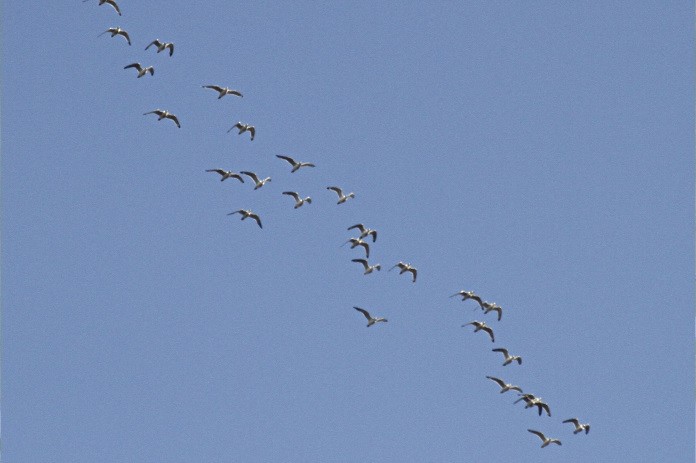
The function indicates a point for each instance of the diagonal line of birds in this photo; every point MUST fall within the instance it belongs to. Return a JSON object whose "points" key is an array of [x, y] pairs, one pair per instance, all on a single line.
{"points": [[361, 240]]}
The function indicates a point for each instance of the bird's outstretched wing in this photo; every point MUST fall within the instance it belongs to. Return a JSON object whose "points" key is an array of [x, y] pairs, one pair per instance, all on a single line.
{"points": [[540, 434], [293, 194], [214, 87], [359, 226], [219, 171], [171, 48], [575, 421], [257, 218], [503, 350], [500, 382], [251, 175], [159, 112], [361, 261], [338, 191], [241, 211], [174, 118], [364, 312], [155, 42], [287, 158], [125, 34], [252, 131], [490, 332], [113, 3], [136, 66]]}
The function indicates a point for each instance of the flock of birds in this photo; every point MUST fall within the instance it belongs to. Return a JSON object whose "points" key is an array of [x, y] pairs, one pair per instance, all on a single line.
{"points": [[364, 233]]}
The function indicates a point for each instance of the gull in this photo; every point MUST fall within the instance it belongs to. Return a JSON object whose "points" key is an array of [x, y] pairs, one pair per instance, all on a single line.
{"points": [[509, 358], [578, 427], [368, 268], [469, 295], [298, 201], [370, 320], [116, 31], [246, 213], [365, 232], [223, 90], [295, 165], [255, 178], [532, 401], [164, 114], [492, 307], [504, 387], [110, 2], [526, 397], [481, 326], [161, 46], [226, 174], [341, 197], [546, 441], [406, 268], [244, 128], [358, 242], [141, 70]]}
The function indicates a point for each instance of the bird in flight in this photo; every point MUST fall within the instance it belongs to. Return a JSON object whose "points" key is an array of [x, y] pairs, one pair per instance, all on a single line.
{"points": [[298, 200], [370, 320], [469, 295], [504, 387], [141, 70], [545, 440], [109, 2], [364, 231], [226, 174], [164, 114], [509, 358], [531, 401], [481, 326], [116, 31], [161, 46], [341, 197], [578, 427], [358, 242], [368, 268], [223, 90], [246, 213], [295, 165], [255, 178], [244, 128], [492, 307], [406, 268]]}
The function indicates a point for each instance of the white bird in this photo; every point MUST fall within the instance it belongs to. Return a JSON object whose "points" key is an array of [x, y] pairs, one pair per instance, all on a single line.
{"points": [[116, 31], [545, 440], [364, 231], [469, 295], [406, 268], [358, 242], [341, 197], [223, 90], [244, 128], [164, 114], [109, 2], [504, 387], [578, 427], [141, 70], [532, 401], [246, 213], [368, 268], [481, 326], [492, 307], [255, 178], [226, 174], [509, 358], [161, 46], [295, 165], [370, 320], [298, 201]]}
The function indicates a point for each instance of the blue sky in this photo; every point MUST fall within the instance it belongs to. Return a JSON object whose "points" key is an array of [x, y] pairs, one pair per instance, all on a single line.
{"points": [[538, 153]]}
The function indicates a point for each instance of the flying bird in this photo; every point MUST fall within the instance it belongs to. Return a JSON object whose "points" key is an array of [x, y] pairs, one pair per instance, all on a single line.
{"points": [[141, 70], [298, 201], [295, 165], [161, 46], [244, 128], [406, 268], [116, 31], [504, 387], [341, 197], [226, 174], [364, 231], [578, 427], [109, 2], [532, 401], [481, 326], [223, 90], [246, 214], [358, 242], [368, 268], [469, 295], [255, 178], [509, 358], [545, 440], [164, 114], [370, 320], [492, 307]]}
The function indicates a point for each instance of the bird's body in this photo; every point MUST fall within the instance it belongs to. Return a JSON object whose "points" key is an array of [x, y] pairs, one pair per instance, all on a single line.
{"points": [[164, 114], [578, 426], [370, 320], [364, 231], [341, 197], [225, 174], [259, 183], [504, 387], [141, 70], [481, 326], [109, 2], [295, 165], [223, 90], [368, 268], [244, 128], [469, 295], [358, 242], [406, 268], [117, 31], [161, 46], [509, 358], [246, 213], [492, 307], [299, 201], [545, 440]]}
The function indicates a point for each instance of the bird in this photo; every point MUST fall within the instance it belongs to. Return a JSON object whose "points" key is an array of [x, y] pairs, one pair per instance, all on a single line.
{"points": [[117, 31], [255, 178], [368, 268], [298, 201], [226, 174], [532, 401], [481, 326], [341, 197], [244, 128], [295, 165], [526, 397], [110, 2], [364, 231], [545, 440], [509, 358], [141, 70], [578, 427], [246, 213], [370, 320], [406, 268], [469, 295], [161, 46], [164, 114], [358, 242], [504, 387], [223, 90], [492, 307]]}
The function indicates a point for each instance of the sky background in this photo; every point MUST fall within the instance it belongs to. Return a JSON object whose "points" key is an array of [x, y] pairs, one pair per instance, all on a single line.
{"points": [[538, 153]]}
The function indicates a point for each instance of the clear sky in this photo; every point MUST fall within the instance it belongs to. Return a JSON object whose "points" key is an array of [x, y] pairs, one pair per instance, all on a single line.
{"points": [[539, 153]]}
